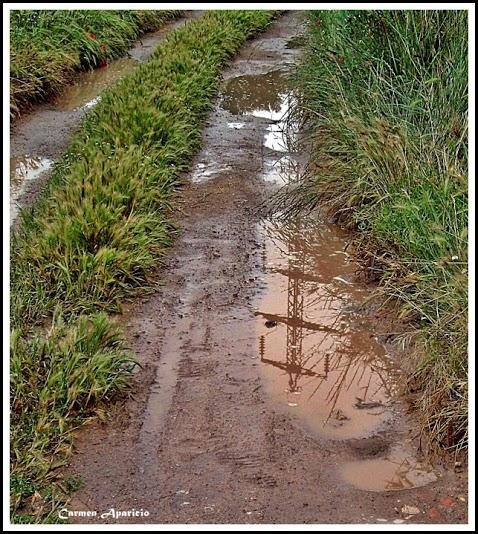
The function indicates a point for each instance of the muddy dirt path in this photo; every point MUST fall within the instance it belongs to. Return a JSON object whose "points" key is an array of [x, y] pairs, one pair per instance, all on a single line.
{"points": [[265, 395], [39, 138]]}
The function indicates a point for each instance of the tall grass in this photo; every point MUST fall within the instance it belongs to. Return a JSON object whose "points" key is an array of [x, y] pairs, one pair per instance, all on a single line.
{"points": [[46, 47], [385, 93], [100, 228]]}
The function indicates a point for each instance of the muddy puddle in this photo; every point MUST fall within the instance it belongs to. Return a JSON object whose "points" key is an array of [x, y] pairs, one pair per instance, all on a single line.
{"points": [[86, 91], [268, 97], [254, 109], [24, 169], [398, 470], [320, 360], [259, 95]]}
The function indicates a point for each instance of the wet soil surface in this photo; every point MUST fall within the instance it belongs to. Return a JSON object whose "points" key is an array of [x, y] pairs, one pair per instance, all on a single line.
{"points": [[40, 138], [264, 395]]}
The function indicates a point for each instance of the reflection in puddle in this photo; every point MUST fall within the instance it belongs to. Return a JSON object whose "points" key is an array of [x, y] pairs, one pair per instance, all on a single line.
{"points": [[203, 171], [265, 96], [276, 136], [281, 170], [318, 360], [255, 111], [24, 169], [398, 471], [235, 125], [85, 92], [259, 95]]}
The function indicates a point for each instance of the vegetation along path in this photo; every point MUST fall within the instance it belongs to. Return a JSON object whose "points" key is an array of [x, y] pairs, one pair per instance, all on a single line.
{"points": [[265, 394], [268, 388]]}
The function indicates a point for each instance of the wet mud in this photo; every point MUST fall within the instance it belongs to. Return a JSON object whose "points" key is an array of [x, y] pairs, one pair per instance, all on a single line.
{"points": [[264, 394], [39, 138]]}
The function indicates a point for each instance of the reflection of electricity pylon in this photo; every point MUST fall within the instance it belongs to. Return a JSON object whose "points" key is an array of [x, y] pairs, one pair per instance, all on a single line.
{"points": [[296, 276], [295, 310]]}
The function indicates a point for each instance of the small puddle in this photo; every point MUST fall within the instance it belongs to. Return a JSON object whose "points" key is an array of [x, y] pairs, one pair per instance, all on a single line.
{"points": [[320, 360], [24, 169], [259, 95], [264, 96], [86, 90], [398, 471], [85, 93], [74, 101]]}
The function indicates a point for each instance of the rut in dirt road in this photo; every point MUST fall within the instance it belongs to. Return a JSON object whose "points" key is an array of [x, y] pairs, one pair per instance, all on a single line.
{"points": [[39, 138], [264, 394]]}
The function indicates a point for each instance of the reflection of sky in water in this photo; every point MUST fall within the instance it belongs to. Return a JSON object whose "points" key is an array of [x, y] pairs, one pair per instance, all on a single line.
{"points": [[318, 360], [24, 169], [266, 96], [235, 125], [262, 96], [275, 137], [400, 470], [203, 171]]}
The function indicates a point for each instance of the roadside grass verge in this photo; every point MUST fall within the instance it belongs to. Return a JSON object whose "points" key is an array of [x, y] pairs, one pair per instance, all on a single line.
{"points": [[101, 226], [58, 381], [385, 95], [47, 47]]}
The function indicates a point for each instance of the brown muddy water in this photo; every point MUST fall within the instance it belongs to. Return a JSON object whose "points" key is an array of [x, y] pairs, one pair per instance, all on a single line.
{"points": [[86, 91], [320, 357], [39, 138], [264, 394], [321, 360]]}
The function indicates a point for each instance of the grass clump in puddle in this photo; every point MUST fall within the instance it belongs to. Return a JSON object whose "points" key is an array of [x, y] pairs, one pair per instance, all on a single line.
{"points": [[386, 94], [47, 47], [90, 242]]}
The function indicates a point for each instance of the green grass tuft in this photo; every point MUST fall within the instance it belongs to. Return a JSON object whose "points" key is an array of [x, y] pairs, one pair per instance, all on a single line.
{"points": [[58, 380]]}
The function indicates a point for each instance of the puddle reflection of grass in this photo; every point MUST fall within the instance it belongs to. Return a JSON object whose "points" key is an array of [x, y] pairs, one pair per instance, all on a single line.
{"points": [[332, 357]]}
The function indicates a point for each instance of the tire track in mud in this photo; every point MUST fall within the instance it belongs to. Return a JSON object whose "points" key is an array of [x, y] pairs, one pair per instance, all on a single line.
{"points": [[200, 439]]}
